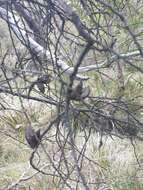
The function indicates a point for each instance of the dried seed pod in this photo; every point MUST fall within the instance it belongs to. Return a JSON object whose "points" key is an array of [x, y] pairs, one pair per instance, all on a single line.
{"points": [[85, 92], [79, 93], [78, 88], [76, 92], [32, 137], [41, 87], [45, 79]]}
